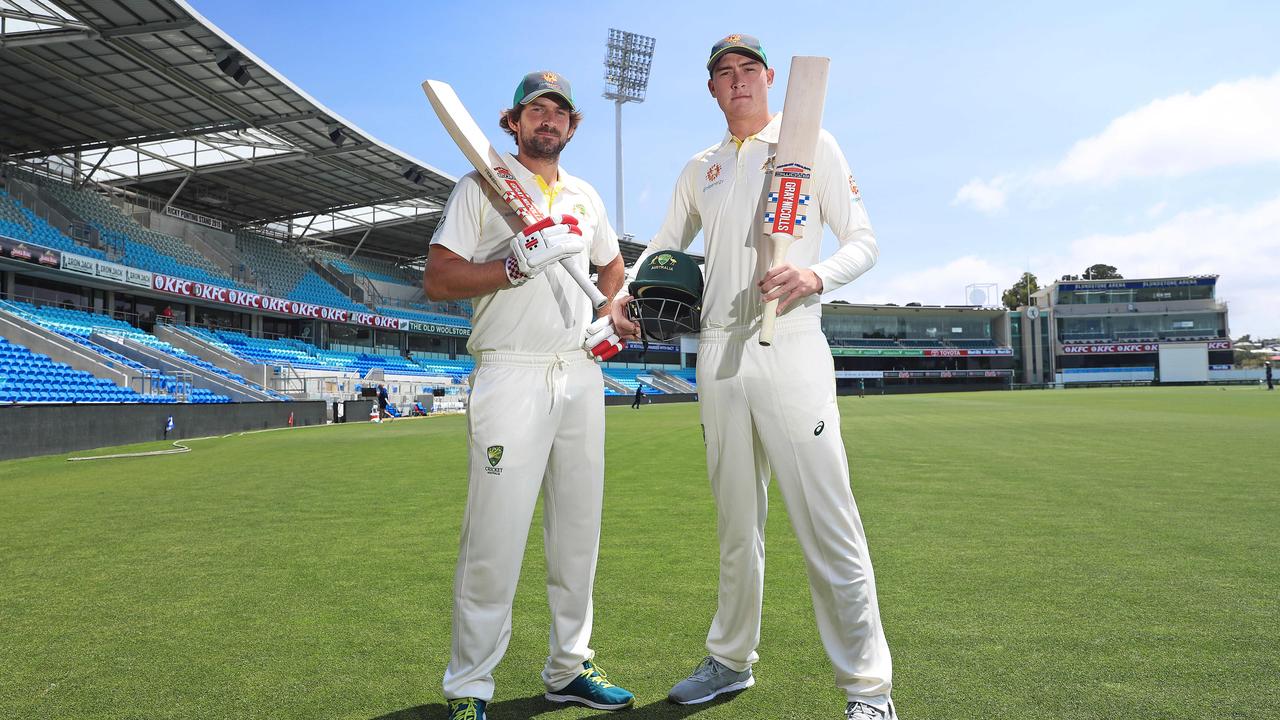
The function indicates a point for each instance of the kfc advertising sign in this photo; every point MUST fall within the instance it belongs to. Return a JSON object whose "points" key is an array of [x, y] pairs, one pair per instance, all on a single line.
{"points": [[254, 301]]}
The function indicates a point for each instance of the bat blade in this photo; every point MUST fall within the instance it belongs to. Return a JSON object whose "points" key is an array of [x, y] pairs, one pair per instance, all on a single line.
{"points": [[791, 184], [495, 167]]}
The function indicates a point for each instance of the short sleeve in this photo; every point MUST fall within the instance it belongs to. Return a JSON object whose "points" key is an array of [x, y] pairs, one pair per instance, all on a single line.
{"points": [[604, 246], [459, 228]]}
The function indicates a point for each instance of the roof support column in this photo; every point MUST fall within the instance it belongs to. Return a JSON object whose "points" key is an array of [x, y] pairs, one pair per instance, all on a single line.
{"points": [[307, 229], [85, 180], [362, 239], [174, 196]]}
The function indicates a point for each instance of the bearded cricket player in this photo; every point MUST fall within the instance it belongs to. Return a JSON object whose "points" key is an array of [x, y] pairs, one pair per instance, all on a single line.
{"points": [[535, 420]]}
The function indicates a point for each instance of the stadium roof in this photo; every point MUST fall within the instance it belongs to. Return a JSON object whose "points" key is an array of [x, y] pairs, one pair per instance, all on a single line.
{"points": [[149, 96]]}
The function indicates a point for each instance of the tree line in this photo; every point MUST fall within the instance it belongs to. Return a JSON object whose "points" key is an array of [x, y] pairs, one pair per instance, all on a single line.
{"points": [[1027, 285]]}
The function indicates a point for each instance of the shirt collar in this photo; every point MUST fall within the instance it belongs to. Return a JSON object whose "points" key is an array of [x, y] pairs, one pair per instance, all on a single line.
{"points": [[528, 178], [767, 134]]}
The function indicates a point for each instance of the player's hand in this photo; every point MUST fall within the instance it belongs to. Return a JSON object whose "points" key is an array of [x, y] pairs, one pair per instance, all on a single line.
{"points": [[627, 328], [788, 284], [545, 242], [602, 340]]}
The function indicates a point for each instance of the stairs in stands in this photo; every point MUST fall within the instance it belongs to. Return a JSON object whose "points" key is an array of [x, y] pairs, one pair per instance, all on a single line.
{"points": [[201, 377], [615, 386], [671, 383]]}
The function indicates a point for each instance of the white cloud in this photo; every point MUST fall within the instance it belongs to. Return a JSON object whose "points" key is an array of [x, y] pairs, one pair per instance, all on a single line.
{"points": [[1157, 210], [938, 285], [1230, 124], [985, 197]]}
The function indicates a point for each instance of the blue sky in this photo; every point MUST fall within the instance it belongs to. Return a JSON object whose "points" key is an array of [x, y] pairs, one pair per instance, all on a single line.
{"points": [[987, 138]]}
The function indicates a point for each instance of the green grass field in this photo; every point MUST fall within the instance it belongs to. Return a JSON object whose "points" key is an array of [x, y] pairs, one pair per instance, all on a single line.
{"points": [[1055, 554]]}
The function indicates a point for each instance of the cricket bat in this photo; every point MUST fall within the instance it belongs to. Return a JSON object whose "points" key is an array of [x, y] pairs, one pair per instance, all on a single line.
{"points": [[789, 197], [494, 166]]}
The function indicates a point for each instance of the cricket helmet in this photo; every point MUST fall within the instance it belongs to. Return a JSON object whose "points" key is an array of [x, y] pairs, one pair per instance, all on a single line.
{"points": [[667, 296]]}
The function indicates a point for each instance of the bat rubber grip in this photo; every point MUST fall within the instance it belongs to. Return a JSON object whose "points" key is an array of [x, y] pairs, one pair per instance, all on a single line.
{"points": [[579, 276], [781, 243]]}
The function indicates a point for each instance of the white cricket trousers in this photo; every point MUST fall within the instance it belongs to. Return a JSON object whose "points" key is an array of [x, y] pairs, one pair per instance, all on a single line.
{"points": [[775, 407], [535, 423]]}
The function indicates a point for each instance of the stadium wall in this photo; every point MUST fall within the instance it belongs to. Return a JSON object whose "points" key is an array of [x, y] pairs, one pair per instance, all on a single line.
{"points": [[657, 399], [28, 430], [878, 388]]}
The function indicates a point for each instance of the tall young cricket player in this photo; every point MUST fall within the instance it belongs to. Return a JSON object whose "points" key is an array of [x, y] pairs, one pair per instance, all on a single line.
{"points": [[774, 407], [536, 412]]}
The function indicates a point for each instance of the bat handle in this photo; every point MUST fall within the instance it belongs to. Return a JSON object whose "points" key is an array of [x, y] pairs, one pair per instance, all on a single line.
{"points": [[579, 276], [781, 242]]}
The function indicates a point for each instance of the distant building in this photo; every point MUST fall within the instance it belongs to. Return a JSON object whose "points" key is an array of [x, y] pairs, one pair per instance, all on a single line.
{"points": [[919, 348], [1170, 329]]}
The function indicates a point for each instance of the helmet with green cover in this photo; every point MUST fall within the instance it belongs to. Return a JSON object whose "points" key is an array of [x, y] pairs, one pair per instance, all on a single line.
{"points": [[667, 296]]}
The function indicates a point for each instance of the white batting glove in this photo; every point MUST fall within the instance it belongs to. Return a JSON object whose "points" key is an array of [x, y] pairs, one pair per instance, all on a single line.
{"points": [[545, 242], [602, 340]]}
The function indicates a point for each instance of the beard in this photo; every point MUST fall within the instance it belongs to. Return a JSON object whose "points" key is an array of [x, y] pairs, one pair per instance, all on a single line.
{"points": [[543, 147]]}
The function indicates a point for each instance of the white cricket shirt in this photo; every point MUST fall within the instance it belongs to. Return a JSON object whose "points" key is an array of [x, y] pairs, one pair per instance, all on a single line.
{"points": [[721, 192], [549, 313]]}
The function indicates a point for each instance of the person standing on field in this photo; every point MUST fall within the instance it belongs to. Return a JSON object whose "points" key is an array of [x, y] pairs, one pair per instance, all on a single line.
{"points": [[383, 401], [774, 408], [535, 421]]}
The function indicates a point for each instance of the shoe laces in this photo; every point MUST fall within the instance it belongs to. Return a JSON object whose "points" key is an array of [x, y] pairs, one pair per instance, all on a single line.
{"points": [[706, 670], [468, 706], [595, 675], [862, 711]]}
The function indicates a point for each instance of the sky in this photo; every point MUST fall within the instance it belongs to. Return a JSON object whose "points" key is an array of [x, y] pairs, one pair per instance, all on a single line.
{"points": [[988, 139]]}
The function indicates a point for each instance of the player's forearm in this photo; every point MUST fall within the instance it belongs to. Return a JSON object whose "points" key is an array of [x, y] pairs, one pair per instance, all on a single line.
{"points": [[854, 258], [460, 279], [609, 279]]}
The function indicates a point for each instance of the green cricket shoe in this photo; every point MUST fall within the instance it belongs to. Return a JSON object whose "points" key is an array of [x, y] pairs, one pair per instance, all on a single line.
{"points": [[468, 708], [593, 689]]}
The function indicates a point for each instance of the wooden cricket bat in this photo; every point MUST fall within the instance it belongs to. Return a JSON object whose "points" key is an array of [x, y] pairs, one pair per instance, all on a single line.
{"points": [[789, 199], [495, 166]]}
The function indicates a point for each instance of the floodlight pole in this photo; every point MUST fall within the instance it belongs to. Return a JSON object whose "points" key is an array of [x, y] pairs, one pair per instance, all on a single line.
{"points": [[622, 224], [626, 73]]}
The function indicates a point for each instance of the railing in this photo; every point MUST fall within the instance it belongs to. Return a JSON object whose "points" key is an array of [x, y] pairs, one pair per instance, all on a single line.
{"points": [[372, 296], [334, 278]]}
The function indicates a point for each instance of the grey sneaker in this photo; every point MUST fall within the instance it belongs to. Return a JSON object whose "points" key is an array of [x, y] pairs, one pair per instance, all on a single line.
{"points": [[710, 679], [863, 711]]}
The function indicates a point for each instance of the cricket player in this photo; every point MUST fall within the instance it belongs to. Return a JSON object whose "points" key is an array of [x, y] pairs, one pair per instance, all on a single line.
{"points": [[774, 407], [536, 412]]}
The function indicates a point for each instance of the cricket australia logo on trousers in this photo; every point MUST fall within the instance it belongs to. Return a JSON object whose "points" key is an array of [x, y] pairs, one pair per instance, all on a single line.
{"points": [[495, 457]]}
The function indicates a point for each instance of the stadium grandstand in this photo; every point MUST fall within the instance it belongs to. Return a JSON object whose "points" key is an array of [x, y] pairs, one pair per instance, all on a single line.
{"points": [[1141, 330], [178, 219], [918, 348]]}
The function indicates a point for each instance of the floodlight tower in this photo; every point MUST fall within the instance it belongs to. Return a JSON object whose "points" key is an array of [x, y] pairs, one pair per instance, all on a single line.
{"points": [[626, 77]]}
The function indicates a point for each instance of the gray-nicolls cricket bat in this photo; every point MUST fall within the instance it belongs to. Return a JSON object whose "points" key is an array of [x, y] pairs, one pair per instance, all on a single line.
{"points": [[494, 166], [791, 186]]}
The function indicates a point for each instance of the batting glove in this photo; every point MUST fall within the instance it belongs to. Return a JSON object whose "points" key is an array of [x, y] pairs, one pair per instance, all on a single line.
{"points": [[545, 242], [602, 340]]}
